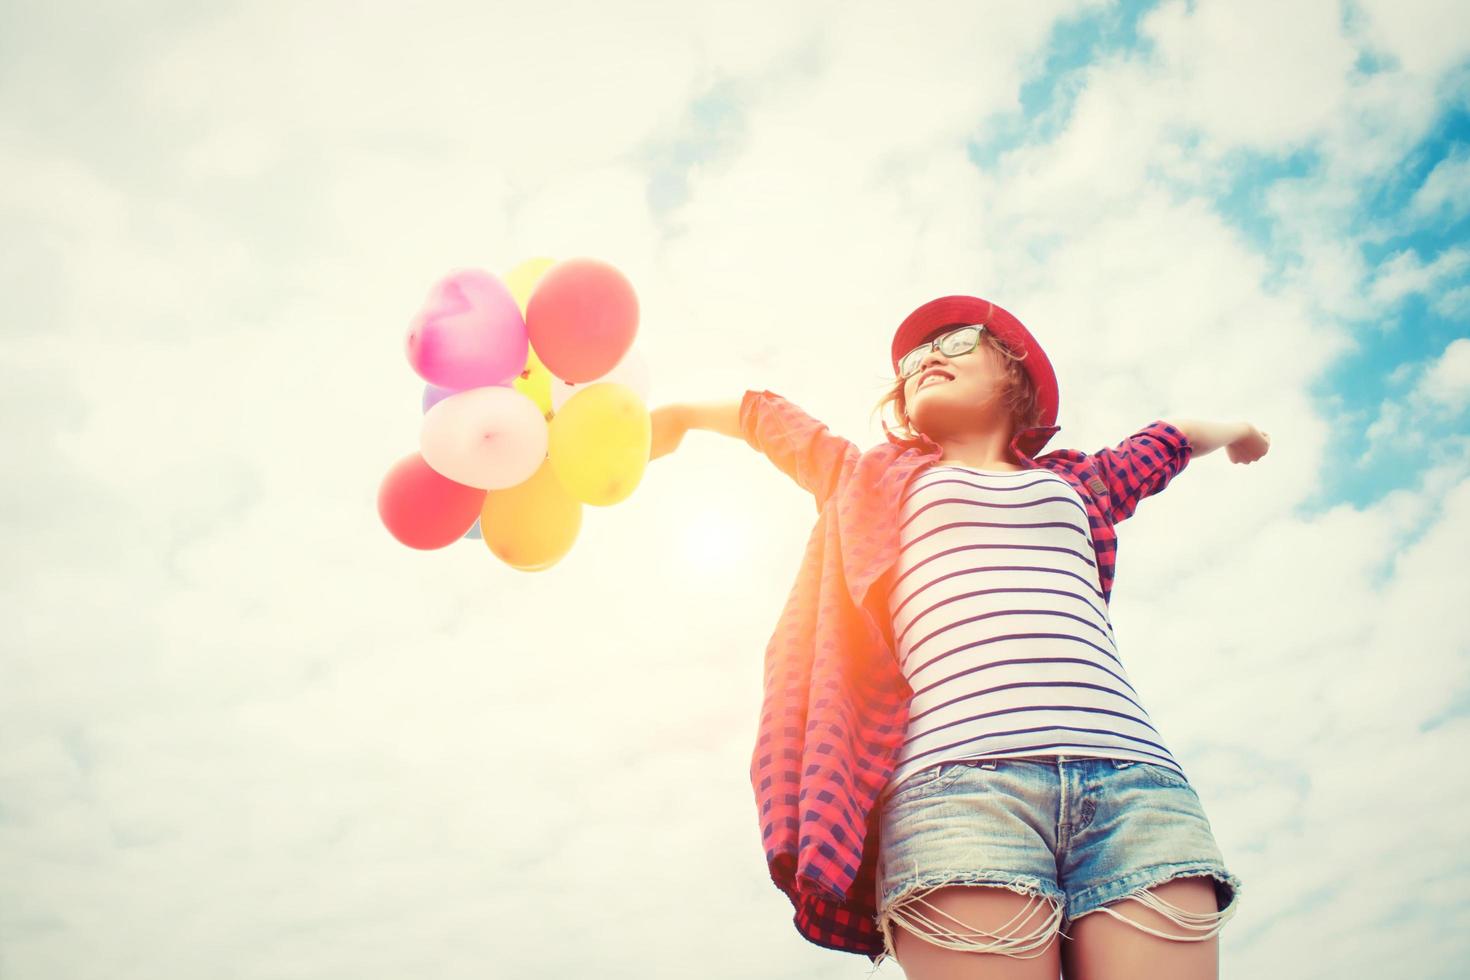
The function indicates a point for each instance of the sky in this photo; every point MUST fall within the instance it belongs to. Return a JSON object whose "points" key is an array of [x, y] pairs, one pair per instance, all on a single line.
{"points": [[245, 733]]}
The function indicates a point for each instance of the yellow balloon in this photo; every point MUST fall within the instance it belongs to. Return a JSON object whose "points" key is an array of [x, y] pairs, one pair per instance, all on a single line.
{"points": [[532, 525], [599, 443], [523, 278], [535, 383]]}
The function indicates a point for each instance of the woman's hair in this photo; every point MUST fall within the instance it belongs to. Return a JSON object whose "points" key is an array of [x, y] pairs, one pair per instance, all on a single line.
{"points": [[1018, 394]]}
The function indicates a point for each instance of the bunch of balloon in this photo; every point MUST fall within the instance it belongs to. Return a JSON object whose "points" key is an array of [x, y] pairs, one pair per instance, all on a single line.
{"points": [[535, 403]]}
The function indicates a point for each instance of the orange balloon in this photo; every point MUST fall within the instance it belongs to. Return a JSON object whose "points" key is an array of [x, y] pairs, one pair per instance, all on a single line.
{"points": [[532, 525]]}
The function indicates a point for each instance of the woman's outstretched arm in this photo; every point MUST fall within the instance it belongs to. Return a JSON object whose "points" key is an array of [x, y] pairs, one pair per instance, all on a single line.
{"points": [[671, 422], [1245, 443], [801, 446], [722, 417]]}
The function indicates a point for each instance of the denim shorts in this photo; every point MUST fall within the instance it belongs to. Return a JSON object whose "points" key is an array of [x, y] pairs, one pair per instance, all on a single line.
{"points": [[1078, 832]]}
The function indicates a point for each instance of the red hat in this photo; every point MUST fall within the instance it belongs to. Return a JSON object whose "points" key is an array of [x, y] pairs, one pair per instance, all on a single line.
{"points": [[931, 319]]}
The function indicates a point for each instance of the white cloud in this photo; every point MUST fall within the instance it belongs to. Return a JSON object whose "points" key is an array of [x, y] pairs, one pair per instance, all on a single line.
{"points": [[1391, 428], [1447, 381], [1453, 303], [1447, 188], [1284, 94], [1440, 393], [1417, 34], [1404, 274]]}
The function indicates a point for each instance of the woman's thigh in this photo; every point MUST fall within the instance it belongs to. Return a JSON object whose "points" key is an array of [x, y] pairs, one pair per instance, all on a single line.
{"points": [[968, 931], [1147, 889], [967, 868], [1101, 947]]}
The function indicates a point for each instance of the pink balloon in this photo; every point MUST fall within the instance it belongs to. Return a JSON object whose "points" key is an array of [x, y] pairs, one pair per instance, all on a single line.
{"points": [[490, 437], [582, 318], [423, 509], [468, 333]]}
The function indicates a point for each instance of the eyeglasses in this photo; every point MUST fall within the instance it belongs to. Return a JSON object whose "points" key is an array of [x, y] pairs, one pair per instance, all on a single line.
{"points": [[952, 344]]}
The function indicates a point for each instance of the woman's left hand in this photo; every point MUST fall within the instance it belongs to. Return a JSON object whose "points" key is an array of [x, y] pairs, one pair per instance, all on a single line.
{"points": [[1249, 447]]}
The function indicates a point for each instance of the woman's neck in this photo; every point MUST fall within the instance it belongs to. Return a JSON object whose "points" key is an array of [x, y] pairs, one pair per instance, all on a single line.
{"points": [[983, 451]]}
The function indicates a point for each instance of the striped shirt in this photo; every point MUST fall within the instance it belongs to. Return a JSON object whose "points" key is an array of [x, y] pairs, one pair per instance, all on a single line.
{"points": [[1002, 629]]}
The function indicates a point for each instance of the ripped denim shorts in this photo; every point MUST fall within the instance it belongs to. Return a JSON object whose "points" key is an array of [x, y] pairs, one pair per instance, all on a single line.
{"points": [[1077, 833]]}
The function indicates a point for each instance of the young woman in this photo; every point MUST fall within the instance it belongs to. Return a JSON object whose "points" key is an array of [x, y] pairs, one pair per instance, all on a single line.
{"points": [[953, 767]]}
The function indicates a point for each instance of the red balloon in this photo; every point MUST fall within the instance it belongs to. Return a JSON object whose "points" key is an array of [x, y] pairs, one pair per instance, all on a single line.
{"points": [[423, 509], [581, 319]]}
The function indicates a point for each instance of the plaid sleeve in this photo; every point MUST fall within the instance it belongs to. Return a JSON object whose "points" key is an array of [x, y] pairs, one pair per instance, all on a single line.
{"points": [[800, 446], [1141, 465]]}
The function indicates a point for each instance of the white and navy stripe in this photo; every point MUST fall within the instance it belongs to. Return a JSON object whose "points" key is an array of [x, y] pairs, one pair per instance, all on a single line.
{"points": [[1001, 627]]}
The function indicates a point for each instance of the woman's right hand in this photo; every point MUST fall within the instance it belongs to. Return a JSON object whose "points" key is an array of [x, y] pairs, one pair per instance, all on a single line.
{"points": [[670, 422]]}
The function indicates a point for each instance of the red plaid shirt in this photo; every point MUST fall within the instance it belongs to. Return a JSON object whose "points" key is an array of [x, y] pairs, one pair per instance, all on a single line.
{"points": [[835, 708]]}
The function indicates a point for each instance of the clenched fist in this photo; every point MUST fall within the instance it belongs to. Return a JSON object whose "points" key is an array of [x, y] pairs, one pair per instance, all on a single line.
{"points": [[669, 425], [1249, 447]]}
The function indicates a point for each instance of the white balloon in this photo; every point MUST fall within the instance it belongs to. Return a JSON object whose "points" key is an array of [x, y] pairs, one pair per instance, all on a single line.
{"points": [[492, 437], [632, 371]]}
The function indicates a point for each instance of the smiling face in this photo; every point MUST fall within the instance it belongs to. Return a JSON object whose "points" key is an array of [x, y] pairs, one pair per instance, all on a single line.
{"points": [[969, 399]]}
